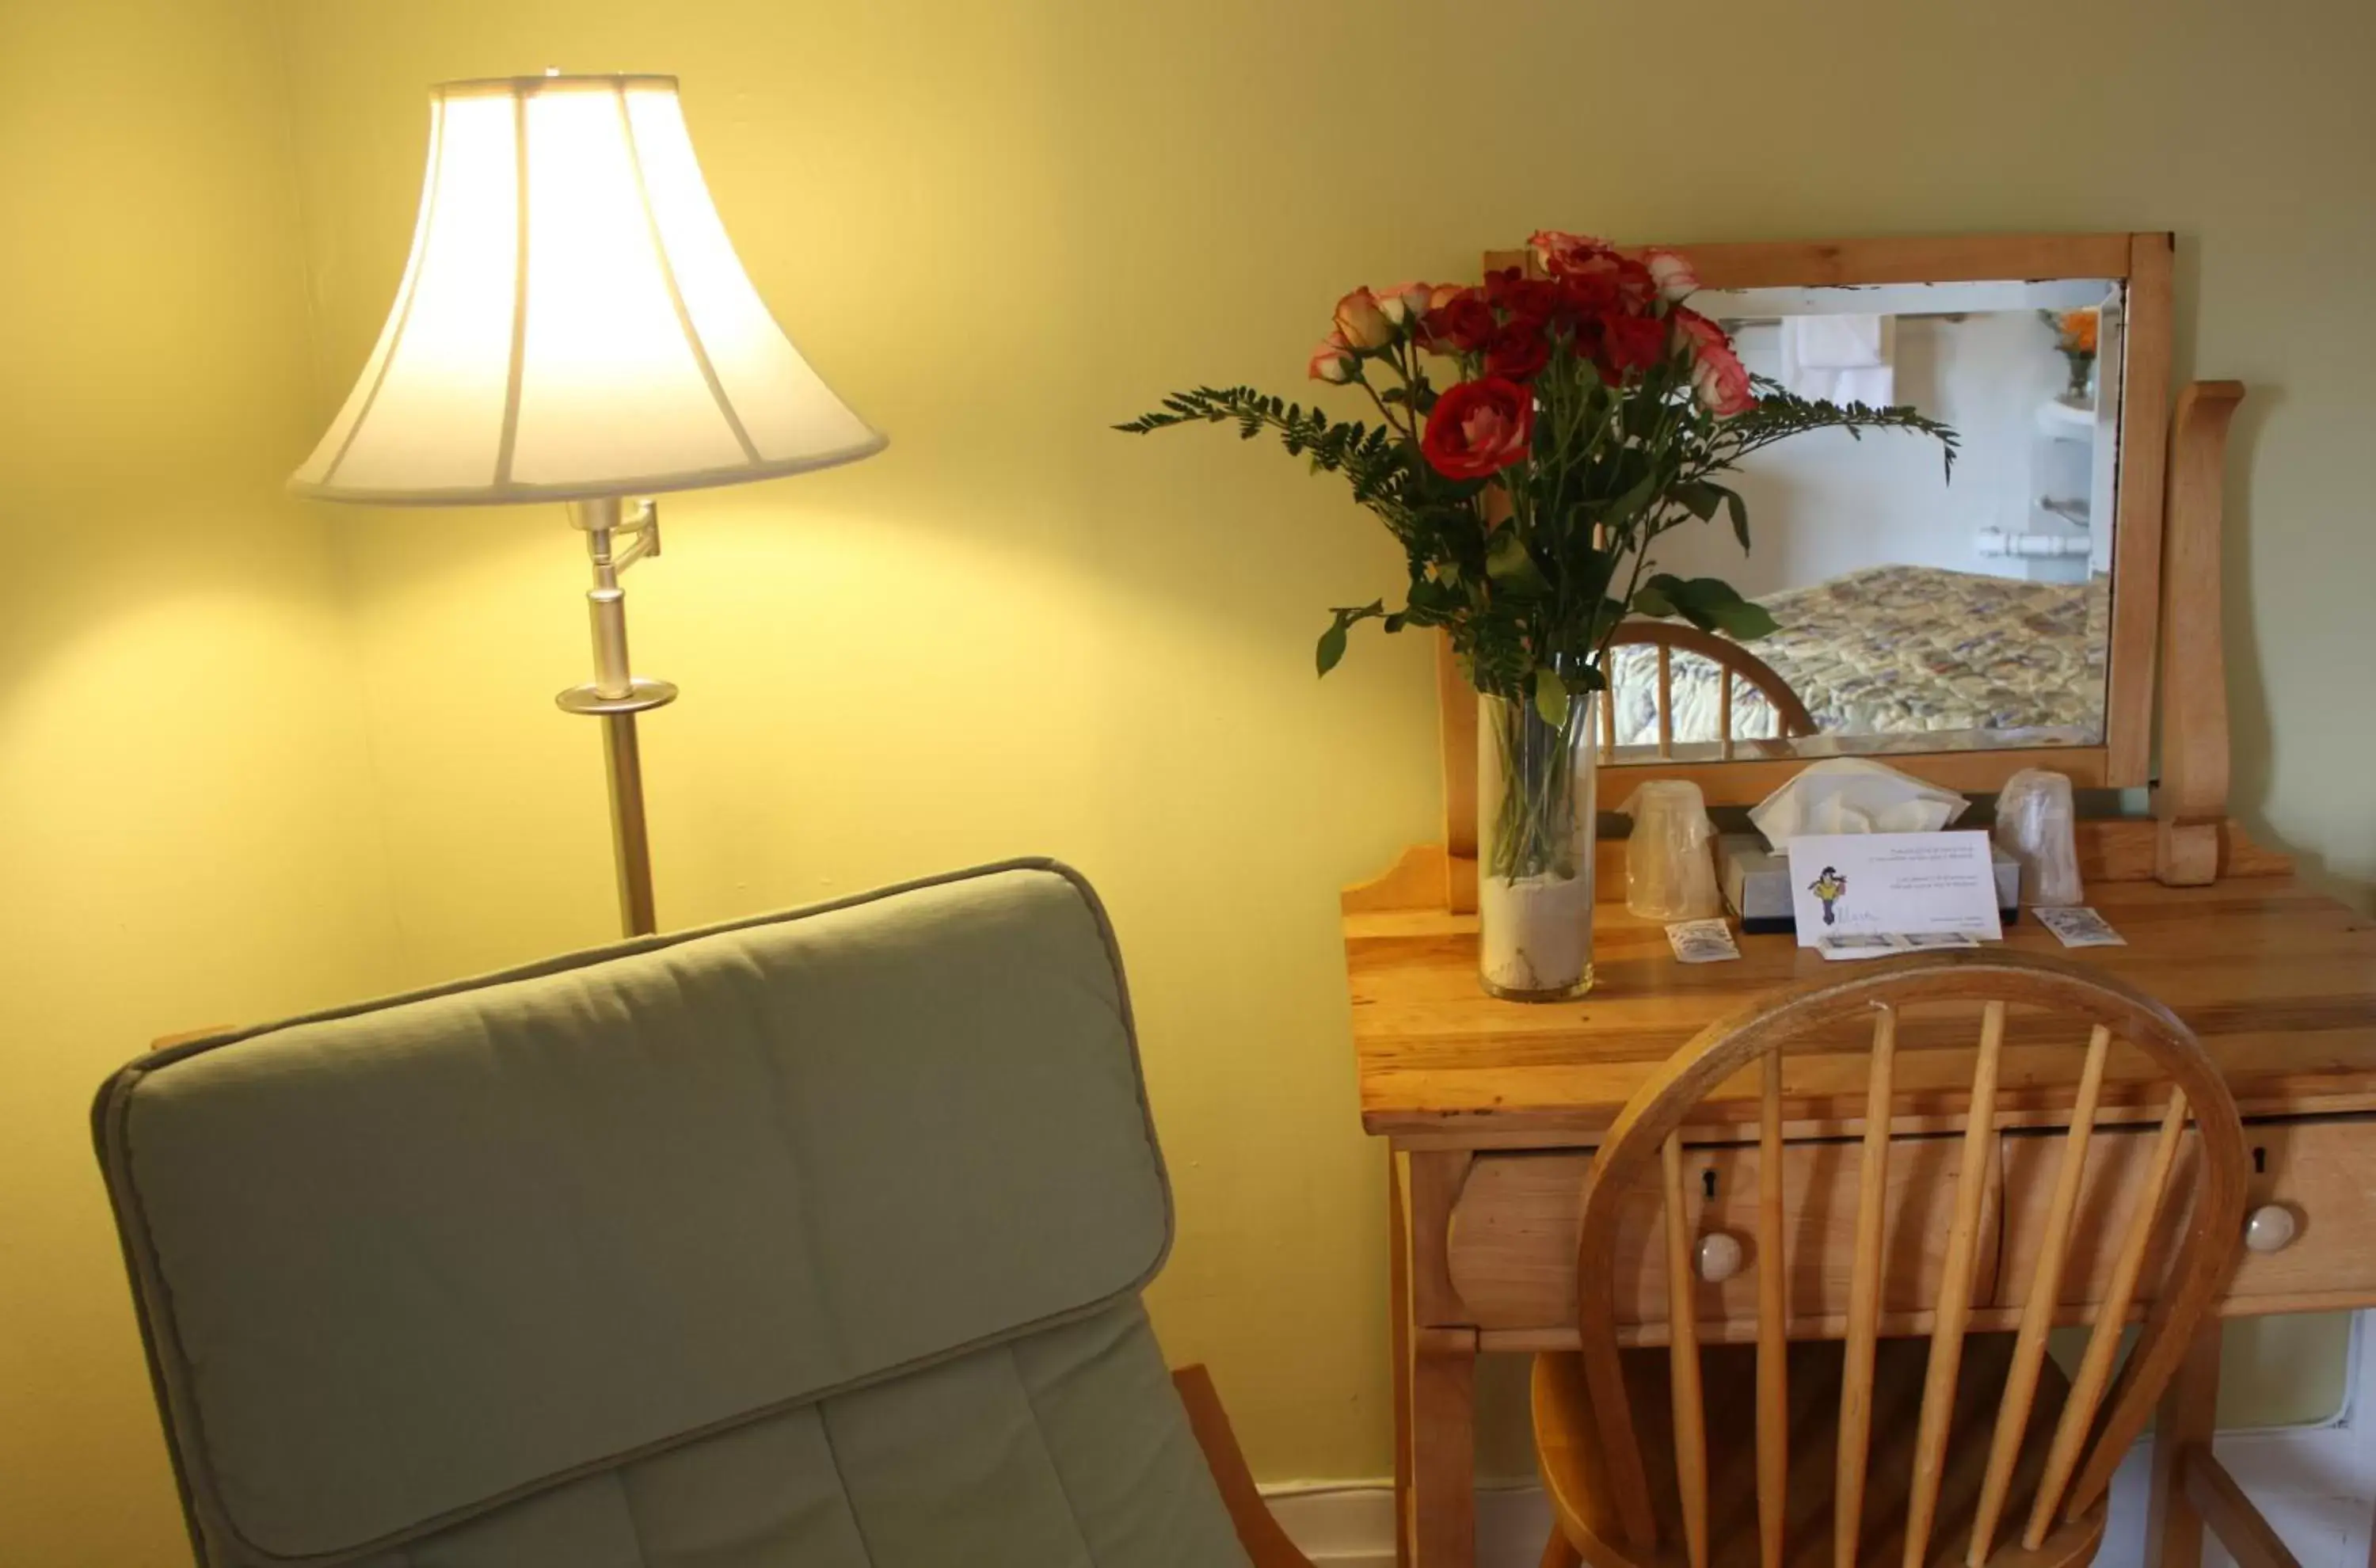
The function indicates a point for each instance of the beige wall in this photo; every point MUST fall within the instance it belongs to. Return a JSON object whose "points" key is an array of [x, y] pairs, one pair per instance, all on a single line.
{"points": [[188, 832], [997, 228]]}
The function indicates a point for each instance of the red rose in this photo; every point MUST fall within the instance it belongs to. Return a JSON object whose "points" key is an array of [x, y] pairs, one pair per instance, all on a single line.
{"points": [[1512, 292], [1636, 284], [1519, 350], [1502, 280], [1590, 294], [1462, 325], [1630, 343], [1718, 375], [1479, 428]]}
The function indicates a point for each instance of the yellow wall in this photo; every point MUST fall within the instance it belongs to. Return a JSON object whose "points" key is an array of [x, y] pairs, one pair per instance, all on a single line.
{"points": [[997, 227], [186, 828]]}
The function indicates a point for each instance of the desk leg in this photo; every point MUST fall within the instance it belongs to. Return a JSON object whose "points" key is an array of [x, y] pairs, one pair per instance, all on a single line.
{"points": [[1443, 1448], [1435, 1386], [2190, 1409], [1398, 1310]]}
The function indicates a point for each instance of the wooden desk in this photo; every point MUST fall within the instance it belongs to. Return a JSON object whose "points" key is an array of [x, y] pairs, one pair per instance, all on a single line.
{"points": [[1491, 1110]]}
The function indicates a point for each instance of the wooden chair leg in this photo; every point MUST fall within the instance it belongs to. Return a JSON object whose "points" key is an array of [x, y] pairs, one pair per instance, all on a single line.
{"points": [[2189, 1408], [2240, 1527], [1558, 1553], [1258, 1532]]}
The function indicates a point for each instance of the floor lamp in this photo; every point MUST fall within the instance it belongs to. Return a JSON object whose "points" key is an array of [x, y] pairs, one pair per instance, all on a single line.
{"points": [[573, 326]]}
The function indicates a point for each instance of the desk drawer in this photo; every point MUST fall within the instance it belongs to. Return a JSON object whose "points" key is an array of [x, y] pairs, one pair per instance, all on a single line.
{"points": [[2322, 1170], [1511, 1250]]}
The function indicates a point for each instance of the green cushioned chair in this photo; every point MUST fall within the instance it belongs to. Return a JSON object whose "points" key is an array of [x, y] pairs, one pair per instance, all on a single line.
{"points": [[813, 1239]]}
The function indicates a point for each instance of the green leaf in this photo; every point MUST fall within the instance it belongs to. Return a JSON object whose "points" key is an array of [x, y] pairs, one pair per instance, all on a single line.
{"points": [[1332, 641], [1652, 600], [1332, 647], [1512, 568], [1698, 497], [1744, 622], [1550, 697], [1738, 510], [1712, 605], [1626, 507]]}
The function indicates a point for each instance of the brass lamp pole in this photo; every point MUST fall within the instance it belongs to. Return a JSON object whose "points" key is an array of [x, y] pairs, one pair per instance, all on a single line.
{"points": [[573, 326], [615, 697]]}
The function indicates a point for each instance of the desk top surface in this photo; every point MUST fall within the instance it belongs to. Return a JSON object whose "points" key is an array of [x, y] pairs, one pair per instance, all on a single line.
{"points": [[2278, 980]]}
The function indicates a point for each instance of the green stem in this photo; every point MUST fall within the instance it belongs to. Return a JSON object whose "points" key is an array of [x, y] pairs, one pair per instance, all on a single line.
{"points": [[1536, 831]]}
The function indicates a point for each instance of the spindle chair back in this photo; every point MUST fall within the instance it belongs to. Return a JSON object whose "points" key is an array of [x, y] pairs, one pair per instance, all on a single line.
{"points": [[1735, 666], [2187, 1219]]}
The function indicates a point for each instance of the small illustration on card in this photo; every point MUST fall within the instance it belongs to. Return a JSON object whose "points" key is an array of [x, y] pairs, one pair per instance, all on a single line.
{"points": [[1893, 884], [1701, 942], [2079, 927]]}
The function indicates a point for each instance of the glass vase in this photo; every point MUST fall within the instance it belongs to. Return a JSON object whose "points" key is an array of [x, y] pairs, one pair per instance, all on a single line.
{"points": [[2080, 392], [1536, 825]]}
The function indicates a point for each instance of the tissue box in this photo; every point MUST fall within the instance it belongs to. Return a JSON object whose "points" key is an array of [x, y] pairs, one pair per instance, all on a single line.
{"points": [[1756, 884]]}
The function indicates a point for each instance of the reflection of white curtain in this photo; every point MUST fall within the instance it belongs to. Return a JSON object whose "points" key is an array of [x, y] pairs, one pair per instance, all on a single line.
{"points": [[1839, 359]]}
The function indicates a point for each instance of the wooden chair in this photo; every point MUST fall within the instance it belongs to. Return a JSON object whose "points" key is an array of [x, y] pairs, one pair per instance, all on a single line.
{"points": [[1733, 663], [1968, 1448]]}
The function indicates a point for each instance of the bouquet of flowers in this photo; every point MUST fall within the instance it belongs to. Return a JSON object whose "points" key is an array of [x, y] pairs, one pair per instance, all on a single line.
{"points": [[1586, 411], [2074, 338]]}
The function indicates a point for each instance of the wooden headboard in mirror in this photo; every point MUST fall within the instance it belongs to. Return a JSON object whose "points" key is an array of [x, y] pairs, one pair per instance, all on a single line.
{"points": [[1960, 631]]}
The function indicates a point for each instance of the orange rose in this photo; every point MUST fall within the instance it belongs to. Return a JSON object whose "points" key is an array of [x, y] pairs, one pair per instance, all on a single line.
{"points": [[1334, 362], [1365, 325]]}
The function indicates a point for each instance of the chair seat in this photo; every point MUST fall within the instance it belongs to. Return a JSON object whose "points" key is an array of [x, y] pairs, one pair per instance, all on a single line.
{"points": [[1568, 1448]]}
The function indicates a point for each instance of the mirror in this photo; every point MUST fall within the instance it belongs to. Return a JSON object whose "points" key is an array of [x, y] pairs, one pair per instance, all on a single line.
{"points": [[1917, 613]]}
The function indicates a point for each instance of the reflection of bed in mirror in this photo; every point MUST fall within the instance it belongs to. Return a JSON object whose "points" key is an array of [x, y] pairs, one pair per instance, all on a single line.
{"points": [[1896, 651], [1917, 610]]}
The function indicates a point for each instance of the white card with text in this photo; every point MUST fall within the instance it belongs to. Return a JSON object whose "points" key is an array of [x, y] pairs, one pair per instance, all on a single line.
{"points": [[1893, 884]]}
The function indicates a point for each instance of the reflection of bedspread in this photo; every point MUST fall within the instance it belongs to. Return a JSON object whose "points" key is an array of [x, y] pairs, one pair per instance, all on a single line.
{"points": [[1893, 649]]}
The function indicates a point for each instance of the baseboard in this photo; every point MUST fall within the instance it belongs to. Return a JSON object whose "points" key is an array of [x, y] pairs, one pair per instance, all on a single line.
{"points": [[2315, 1484], [1351, 1524]]}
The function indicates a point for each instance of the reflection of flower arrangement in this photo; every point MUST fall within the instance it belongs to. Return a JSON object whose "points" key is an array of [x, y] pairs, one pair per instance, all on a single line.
{"points": [[2075, 337]]}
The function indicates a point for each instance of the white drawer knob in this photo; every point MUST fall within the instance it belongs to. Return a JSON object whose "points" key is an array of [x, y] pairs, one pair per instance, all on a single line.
{"points": [[2268, 1228], [1720, 1257]]}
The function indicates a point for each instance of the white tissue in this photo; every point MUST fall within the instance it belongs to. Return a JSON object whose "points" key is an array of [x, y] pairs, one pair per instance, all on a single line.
{"points": [[1853, 795]]}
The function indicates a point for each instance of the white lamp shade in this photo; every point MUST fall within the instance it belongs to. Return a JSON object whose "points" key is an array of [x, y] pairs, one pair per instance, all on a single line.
{"points": [[573, 321]]}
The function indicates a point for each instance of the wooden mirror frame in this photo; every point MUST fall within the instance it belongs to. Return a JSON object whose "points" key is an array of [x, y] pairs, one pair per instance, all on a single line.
{"points": [[2122, 758]]}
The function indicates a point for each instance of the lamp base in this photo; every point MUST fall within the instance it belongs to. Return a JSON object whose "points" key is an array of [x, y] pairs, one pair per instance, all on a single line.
{"points": [[642, 693]]}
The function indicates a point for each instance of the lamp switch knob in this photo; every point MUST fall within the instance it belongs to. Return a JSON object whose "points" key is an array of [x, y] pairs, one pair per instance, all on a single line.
{"points": [[1720, 1257]]}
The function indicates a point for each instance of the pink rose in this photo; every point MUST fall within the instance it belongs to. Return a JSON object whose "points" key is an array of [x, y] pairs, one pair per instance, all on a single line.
{"points": [[1562, 252], [1365, 325], [1334, 362], [1401, 303], [1718, 376], [1673, 272]]}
